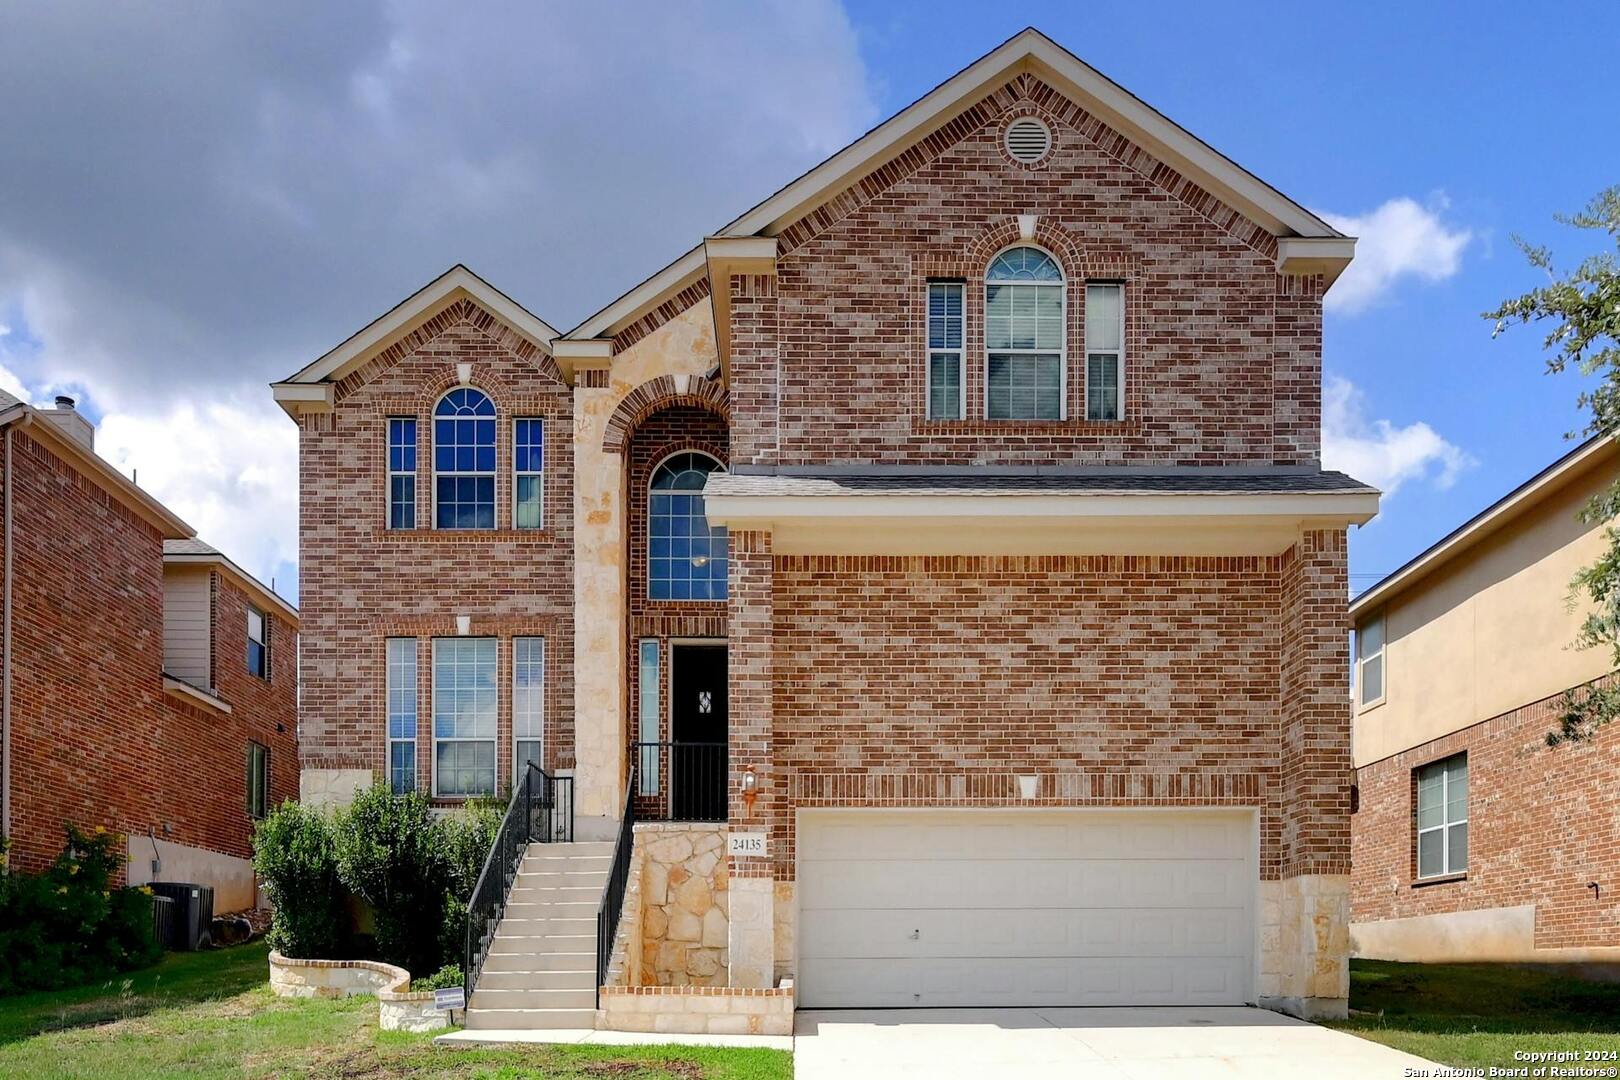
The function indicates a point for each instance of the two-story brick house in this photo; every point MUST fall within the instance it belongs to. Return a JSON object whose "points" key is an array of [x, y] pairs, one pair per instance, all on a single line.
{"points": [[148, 685], [950, 528]]}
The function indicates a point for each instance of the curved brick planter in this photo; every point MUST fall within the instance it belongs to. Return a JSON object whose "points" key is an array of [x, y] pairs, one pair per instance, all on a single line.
{"points": [[398, 1008]]}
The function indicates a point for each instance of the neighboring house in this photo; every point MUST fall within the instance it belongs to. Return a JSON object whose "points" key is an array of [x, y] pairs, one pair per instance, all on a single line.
{"points": [[1475, 839], [148, 686], [950, 528]]}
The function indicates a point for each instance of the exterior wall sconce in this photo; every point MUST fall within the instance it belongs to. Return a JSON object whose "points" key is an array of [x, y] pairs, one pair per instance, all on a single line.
{"points": [[750, 789], [1027, 786], [463, 625]]}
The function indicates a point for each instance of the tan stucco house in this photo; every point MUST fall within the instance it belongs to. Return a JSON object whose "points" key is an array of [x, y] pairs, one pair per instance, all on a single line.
{"points": [[1475, 839], [935, 562]]}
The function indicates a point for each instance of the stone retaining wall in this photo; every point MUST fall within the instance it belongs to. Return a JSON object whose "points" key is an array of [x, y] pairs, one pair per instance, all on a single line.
{"points": [[697, 1010], [684, 911], [399, 1009]]}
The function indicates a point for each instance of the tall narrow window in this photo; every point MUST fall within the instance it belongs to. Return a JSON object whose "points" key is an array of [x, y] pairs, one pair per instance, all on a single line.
{"points": [[1024, 337], [528, 485], [647, 712], [258, 644], [402, 714], [1105, 350], [1442, 817], [944, 350], [464, 716], [401, 473], [258, 780], [1370, 661], [464, 461], [528, 704], [686, 556]]}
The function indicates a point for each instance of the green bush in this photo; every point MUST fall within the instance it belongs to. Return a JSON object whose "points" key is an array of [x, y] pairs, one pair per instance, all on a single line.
{"points": [[467, 838], [68, 925], [443, 979], [391, 853], [294, 854]]}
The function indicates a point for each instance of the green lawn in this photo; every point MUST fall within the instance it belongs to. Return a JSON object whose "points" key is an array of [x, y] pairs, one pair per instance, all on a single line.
{"points": [[1479, 1014], [211, 1014]]}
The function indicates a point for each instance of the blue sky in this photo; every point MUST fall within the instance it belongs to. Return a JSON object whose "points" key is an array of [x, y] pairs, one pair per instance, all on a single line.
{"points": [[192, 208]]}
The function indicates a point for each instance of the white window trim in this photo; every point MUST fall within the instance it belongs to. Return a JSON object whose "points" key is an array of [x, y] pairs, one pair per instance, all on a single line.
{"points": [[541, 737], [493, 740], [518, 474], [1445, 823], [388, 492], [416, 706], [494, 475], [1062, 287], [929, 352], [1381, 655], [1119, 353]]}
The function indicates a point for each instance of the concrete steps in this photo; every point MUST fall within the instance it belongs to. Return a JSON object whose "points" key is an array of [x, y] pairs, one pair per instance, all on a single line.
{"points": [[540, 972]]}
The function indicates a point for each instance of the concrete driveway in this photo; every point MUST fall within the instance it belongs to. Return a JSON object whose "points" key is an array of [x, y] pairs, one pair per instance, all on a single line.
{"points": [[1138, 1044]]}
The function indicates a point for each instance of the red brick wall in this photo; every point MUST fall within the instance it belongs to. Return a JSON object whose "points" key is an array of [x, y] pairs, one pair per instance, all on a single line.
{"points": [[95, 740], [361, 583], [1542, 823], [1222, 356], [1120, 680]]}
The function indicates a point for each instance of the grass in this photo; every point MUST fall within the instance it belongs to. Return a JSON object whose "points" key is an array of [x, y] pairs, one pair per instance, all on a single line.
{"points": [[211, 1014], [1480, 1014]]}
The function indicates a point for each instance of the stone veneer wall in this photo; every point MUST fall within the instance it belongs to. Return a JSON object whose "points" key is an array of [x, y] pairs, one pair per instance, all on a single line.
{"points": [[399, 1009], [685, 904], [697, 1010]]}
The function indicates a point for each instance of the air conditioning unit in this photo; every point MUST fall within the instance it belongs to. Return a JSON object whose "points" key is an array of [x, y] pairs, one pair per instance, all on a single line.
{"points": [[163, 921], [193, 912]]}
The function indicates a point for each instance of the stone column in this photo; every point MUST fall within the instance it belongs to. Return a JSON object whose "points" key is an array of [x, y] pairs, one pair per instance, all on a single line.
{"points": [[599, 616], [1305, 916], [751, 934]]}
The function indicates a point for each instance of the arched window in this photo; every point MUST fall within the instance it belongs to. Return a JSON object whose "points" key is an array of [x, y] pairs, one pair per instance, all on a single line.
{"points": [[464, 460], [686, 556], [1024, 336]]}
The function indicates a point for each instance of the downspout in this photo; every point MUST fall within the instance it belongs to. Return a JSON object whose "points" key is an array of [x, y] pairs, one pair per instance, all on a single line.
{"points": [[5, 645]]}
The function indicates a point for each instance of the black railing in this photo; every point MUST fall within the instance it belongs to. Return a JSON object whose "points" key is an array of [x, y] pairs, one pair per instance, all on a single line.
{"points": [[541, 812], [607, 916], [681, 781]]}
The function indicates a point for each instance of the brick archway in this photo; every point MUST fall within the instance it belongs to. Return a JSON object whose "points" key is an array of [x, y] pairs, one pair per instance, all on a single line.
{"points": [[661, 393]]}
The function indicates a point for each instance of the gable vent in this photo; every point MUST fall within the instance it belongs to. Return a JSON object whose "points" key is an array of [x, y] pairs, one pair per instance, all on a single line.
{"points": [[1028, 139]]}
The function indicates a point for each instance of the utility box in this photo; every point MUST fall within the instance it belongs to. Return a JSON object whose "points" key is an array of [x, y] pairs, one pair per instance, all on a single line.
{"points": [[163, 921], [192, 912]]}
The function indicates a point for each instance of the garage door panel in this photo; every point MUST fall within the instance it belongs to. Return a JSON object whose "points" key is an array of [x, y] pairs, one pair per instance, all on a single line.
{"points": [[996, 908]]}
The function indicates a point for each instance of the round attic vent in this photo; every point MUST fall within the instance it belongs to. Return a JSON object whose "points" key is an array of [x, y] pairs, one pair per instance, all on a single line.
{"points": [[1028, 139]]}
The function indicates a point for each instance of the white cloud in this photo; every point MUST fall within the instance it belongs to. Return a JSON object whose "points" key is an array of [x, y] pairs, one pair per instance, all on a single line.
{"points": [[228, 468], [12, 384], [1400, 240], [1378, 452]]}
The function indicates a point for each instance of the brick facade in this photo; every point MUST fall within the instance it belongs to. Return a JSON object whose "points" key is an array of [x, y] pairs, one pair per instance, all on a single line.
{"points": [[95, 740], [361, 582], [1542, 823]]}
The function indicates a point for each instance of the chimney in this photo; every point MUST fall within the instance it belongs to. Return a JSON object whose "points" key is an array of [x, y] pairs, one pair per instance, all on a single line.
{"points": [[67, 420]]}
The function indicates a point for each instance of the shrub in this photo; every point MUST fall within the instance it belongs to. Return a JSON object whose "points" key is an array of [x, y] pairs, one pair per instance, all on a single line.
{"points": [[467, 838], [296, 859], [391, 853], [443, 979], [69, 925]]}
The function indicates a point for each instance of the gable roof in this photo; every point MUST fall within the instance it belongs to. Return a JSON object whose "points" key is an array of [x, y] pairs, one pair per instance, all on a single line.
{"points": [[1504, 511], [1029, 50], [191, 551], [312, 384]]}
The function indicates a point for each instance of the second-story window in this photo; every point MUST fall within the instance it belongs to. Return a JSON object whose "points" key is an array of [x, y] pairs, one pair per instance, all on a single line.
{"points": [[464, 461], [528, 484], [945, 350], [686, 556], [1024, 336], [258, 644], [401, 472], [1370, 661], [1105, 350]]}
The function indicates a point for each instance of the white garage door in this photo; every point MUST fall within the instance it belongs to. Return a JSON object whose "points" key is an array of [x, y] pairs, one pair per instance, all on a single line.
{"points": [[988, 907]]}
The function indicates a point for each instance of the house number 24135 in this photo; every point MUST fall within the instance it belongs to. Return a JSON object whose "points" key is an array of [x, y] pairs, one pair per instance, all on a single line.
{"points": [[745, 843]]}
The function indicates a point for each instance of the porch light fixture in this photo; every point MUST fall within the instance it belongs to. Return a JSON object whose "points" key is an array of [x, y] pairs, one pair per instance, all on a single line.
{"points": [[750, 792]]}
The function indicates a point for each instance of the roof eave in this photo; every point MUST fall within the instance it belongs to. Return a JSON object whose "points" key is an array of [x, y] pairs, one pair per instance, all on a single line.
{"points": [[121, 487]]}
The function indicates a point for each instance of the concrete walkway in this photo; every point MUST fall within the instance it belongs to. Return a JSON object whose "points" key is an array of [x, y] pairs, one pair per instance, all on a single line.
{"points": [[1132, 1044]]}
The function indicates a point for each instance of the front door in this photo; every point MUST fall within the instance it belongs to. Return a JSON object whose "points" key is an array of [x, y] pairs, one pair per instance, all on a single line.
{"points": [[698, 730]]}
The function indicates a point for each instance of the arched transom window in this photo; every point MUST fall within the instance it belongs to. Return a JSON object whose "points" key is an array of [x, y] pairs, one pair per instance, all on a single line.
{"points": [[1024, 336], [464, 460], [686, 556]]}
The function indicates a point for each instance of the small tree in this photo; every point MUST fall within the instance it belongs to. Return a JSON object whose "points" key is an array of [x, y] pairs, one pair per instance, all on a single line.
{"points": [[296, 859], [1582, 308]]}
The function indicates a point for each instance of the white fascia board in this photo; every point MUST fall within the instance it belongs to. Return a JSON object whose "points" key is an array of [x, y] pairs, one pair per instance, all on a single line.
{"points": [[754, 511], [244, 580]]}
